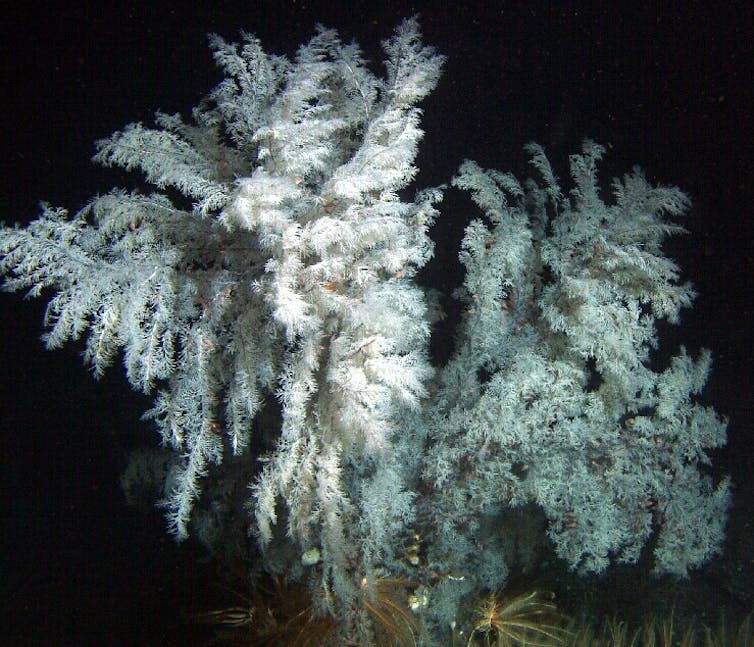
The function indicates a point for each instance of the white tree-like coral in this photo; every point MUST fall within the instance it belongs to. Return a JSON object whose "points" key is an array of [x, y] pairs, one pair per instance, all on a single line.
{"points": [[271, 268], [550, 399]]}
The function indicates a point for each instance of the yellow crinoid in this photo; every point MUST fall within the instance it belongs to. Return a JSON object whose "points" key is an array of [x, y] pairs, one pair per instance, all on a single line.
{"points": [[386, 602], [529, 619]]}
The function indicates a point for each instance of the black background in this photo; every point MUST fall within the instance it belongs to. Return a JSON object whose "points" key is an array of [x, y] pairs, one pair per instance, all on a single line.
{"points": [[666, 86]]}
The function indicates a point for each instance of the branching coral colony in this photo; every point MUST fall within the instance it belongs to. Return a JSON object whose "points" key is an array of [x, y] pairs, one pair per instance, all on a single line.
{"points": [[273, 312]]}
